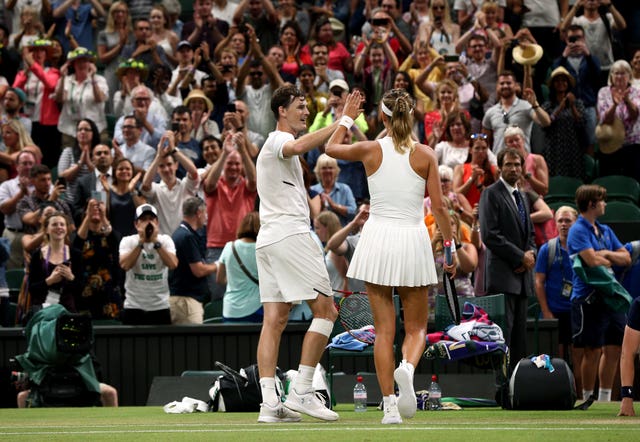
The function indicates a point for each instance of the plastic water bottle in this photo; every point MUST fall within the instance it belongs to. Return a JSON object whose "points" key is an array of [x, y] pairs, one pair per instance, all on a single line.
{"points": [[360, 395], [435, 394]]}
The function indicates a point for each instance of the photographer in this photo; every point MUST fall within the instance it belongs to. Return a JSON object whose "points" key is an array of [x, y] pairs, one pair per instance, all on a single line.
{"points": [[146, 258]]}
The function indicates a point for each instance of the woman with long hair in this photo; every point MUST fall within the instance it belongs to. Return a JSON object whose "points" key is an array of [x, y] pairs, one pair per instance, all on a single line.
{"points": [[422, 62], [15, 138], [471, 178], [394, 248], [440, 31], [454, 148], [161, 33], [459, 203], [75, 161], [339, 57], [291, 40], [54, 266], [446, 100], [123, 197], [403, 80], [241, 302]]}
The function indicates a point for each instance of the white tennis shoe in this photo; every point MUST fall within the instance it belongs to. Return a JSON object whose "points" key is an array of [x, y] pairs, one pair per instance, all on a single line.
{"points": [[391, 413], [279, 413], [310, 403], [407, 403]]}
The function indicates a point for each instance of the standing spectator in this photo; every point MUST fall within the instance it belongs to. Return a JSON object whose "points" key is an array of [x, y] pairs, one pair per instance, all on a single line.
{"points": [[446, 101], [98, 243], [324, 74], [459, 202], [94, 181], [230, 189], [187, 145], [80, 16], [507, 232], [454, 148], [82, 94], [482, 69], [146, 257], [535, 172], [466, 10], [224, 9], [288, 10], [204, 27], [440, 31], [131, 74], [39, 83], [595, 326], [171, 192], [11, 193], [291, 42], [122, 197], [188, 281], [511, 110], [132, 147], [111, 40], [160, 80], [144, 48], [31, 29], [42, 9], [429, 65], [477, 172], [237, 122], [151, 117], [186, 74], [262, 17], [336, 197], [200, 107], [161, 33], [339, 57]]}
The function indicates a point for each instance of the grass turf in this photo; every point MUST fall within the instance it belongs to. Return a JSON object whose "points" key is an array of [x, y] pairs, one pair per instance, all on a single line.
{"points": [[599, 423]]}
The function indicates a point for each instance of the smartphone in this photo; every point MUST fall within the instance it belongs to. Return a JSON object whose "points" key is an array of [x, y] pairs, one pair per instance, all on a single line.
{"points": [[573, 39], [379, 22], [148, 231], [231, 107], [62, 181], [451, 58], [98, 196], [175, 127], [242, 28]]}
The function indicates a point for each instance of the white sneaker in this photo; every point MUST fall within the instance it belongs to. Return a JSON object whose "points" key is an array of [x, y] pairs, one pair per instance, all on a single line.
{"points": [[407, 403], [310, 403], [391, 413], [279, 413]]}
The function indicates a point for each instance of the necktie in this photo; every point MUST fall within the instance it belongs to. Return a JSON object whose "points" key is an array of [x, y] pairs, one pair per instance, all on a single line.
{"points": [[520, 204]]}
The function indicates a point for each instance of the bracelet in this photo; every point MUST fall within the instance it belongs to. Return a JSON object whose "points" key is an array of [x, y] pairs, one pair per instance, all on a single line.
{"points": [[476, 228], [346, 121], [626, 391], [535, 107]]}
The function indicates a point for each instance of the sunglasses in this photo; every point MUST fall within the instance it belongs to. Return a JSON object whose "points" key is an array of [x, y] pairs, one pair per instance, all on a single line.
{"points": [[478, 136], [505, 118]]}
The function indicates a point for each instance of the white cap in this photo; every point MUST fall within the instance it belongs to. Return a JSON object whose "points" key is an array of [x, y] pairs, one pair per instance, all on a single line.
{"points": [[146, 208], [339, 83]]}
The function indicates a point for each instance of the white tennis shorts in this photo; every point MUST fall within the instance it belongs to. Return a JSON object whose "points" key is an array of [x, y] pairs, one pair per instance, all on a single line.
{"points": [[292, 270]]}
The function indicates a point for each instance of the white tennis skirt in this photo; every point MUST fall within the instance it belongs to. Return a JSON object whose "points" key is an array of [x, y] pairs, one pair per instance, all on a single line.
{"points": [[394, 255]]}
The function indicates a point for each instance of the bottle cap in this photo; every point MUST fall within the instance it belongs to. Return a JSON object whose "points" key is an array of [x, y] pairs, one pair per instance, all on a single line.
{"points": [[359, 378], [434, 378]]}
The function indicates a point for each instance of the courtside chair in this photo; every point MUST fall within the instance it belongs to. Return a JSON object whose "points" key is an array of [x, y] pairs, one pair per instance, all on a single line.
{"points": [[591, 168], [620, 211], [620, 188], [562, 188], [14, 282]]}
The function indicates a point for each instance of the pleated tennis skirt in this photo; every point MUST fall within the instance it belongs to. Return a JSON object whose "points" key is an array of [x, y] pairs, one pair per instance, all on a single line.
{"points": [[392, 254]]}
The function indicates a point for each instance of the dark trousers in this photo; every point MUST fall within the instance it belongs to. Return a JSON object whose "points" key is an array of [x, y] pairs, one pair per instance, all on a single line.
{"points": [[516, 333], [132, 316]]}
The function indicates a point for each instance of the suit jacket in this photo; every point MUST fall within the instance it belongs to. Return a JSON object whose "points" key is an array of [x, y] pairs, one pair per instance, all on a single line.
{"points": [[506, 240], [85, 185]]}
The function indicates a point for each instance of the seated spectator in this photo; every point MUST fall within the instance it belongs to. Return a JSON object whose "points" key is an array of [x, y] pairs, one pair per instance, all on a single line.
{"points": [[131, 73], [161, 33], [440, 31], [132, 147], [237, 269], [98, 243], [200, 107], [535, 171], [459, 202], [454, 132], [122, 197], [82, 94], [402, 80], [336, 197], [316, 101], [30, 206], [146, 258], [172, 191], [53, 267], [186, 76], [11, 108], [446, 102], [477, 173], [76, 161], [152, 119], [339, 57], [325, 225], [291, 41], [188, 281]]}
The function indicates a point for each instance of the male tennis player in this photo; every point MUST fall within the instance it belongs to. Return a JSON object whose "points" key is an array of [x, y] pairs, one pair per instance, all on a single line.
{"points": [[291, 267]]}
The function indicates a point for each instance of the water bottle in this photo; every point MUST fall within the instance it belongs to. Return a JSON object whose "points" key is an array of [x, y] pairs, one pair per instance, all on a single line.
{"points": [[435, 394], [360, 395]]}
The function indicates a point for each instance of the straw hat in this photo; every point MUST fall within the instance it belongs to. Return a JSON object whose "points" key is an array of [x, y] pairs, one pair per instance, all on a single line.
{"points": [[560, 70], [197, 93], [134, 64], [81, 52], [610, 136], [528, 54]]}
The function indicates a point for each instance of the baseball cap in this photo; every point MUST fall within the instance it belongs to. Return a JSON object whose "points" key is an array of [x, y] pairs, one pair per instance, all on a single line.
{"points": [[339, 83], [184, 43], [146, 208]]}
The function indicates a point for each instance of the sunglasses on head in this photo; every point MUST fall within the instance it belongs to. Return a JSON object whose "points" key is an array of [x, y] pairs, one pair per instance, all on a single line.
{"points": [[478, 136]]}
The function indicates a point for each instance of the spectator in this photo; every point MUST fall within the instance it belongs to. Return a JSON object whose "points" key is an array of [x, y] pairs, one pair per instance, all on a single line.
{"points": [[152, 120], [11, 193], [211, 148], [160, 81], [454, 147], [146, 258], [132, 148], [236, 41], [237, 122], [54, 266], [186, 75], [385, 28], [429, 67], [98, 243], [316, 101], [30, 206], [459, 203], [480, 68], [215, 89], [76, 161], [324, 74], [511, 110], [188, 281], [31, 29], [131, 73], [39, 83], [204, 27], [535, 171], [171, 192], [595, 326], [42, 9], [122, 196], [230, 190], [325, 225], [554, 276], [336, 197], [187, 145], [440, 31], [567, 128], [262, 17], [288, 11], [224, 9], [161, 32], [446, 101], [200, 107], [12, 103], [291, 40], [507, 232], [339, 57], [15, 139], [174, 9], [635, 67], [144, 48], [477, 173], [111, 41], [82, 94], [466, 10], [80, 16], [620, 101], [89, 183], [238, 270]]}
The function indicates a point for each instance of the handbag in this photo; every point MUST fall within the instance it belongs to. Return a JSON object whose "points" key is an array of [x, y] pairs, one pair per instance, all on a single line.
{"points": [[242, 266]]}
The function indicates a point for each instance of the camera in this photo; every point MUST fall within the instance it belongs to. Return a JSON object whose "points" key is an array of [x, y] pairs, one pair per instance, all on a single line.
{"points": [[242, 28], [573, 38], [62, 181], [148, 231], [175, 126], [451, 58], [231, 107], [379, 22], [226, 68]]}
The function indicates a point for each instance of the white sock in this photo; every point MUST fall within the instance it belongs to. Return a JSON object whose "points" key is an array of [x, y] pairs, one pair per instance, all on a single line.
{"points": [[304, 379], [604, 395], [268, 389], [586, 394]]}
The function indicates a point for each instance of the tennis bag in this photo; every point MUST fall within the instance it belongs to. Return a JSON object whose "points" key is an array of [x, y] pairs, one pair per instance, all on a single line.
{"points": [[533, 388]]}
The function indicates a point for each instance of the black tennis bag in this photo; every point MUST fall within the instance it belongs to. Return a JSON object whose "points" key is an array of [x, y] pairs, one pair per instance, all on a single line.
{"points": [[533, 388]]}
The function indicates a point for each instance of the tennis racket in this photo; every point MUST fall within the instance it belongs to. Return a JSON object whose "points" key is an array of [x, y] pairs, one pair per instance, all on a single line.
{"points": [[354, 313], [450, 288]]}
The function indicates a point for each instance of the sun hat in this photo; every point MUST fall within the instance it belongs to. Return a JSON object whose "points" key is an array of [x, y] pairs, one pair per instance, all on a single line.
{"points": [[197, 93], [134, 64], [560, 70], [81, 52], [528, 54], [610, 136]]}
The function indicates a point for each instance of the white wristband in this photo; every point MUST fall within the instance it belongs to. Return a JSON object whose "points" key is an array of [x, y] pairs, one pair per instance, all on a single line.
{"points": [[346, 121]]}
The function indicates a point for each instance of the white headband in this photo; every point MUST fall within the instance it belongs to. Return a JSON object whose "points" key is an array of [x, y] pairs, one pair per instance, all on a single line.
{"points": [[385, 109]]}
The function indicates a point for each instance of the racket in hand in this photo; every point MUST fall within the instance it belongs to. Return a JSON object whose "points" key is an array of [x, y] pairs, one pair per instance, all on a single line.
{"points": [[450, 287], [354, 313]]}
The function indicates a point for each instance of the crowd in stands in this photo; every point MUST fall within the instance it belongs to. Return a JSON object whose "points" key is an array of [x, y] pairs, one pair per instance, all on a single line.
{"points": [[116, 114]]}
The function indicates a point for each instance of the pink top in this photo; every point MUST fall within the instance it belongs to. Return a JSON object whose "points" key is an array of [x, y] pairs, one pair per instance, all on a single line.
{"points": [[226, 207]]}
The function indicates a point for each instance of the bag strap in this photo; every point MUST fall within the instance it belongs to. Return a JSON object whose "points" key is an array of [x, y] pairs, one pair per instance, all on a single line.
{"points": [[553, 246], [242, 266]]}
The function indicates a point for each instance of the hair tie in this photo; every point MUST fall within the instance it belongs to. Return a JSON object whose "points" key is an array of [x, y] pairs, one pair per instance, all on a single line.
{"points": [[386, 110]]}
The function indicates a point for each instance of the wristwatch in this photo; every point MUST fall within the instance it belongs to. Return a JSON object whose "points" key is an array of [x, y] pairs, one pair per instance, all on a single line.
{"points": [[527, 175], [157, 245]]}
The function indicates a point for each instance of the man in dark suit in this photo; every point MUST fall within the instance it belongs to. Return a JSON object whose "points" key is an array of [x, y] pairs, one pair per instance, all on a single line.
{"points": [[102, 160], [507, 232]]}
